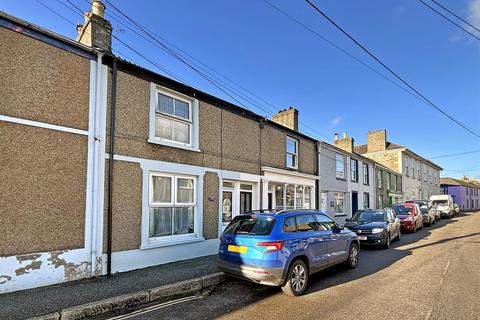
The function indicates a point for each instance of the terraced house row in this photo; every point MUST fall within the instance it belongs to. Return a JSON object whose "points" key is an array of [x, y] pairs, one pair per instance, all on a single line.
{"points": [[109, 167]]}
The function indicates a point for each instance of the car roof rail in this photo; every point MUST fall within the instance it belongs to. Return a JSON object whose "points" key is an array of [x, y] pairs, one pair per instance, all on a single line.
{"points": [[295, 210]]}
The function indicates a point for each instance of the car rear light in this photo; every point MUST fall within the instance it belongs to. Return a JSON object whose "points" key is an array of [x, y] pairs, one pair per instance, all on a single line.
{"points": [[270, 246]]}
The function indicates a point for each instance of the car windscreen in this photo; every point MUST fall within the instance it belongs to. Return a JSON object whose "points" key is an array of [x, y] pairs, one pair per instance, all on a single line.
{"points": [[440, 202], [402, 210], [424, 209], [369, 216], [251, 225]]}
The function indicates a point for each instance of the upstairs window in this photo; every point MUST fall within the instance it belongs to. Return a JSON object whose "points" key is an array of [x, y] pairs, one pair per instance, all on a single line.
{"points": [[379, 179], [173, 119], [340, 166], [366, 177], [406, 166], [354, 170], [292, 153]]}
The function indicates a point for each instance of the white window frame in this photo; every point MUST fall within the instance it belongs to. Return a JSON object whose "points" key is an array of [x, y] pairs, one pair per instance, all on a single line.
{"points": [[344, 160], [339, 195], [366, 174], [153, 168], [406, 159], [379, 182], [194, 119], [353, 170], [295, 155], [296, 186]]}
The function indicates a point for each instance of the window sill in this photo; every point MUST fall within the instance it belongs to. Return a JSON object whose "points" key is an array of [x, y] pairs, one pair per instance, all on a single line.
{"points": [[340, 215], [170, 242], [173, 144], [342, 179]]}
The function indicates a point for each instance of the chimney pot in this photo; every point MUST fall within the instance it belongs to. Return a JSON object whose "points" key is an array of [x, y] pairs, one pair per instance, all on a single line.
{"points": [[344, 135], [98, 8], [336, 136]]}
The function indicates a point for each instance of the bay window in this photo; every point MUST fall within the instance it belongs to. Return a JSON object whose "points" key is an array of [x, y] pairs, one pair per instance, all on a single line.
{"points": [[290, 196]]}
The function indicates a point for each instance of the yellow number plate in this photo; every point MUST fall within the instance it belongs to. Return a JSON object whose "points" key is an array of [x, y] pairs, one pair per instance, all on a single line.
{"points": [[239, 249]]}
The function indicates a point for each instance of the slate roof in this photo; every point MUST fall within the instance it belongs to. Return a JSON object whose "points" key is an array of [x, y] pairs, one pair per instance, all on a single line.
{"points": [[457, 182]]}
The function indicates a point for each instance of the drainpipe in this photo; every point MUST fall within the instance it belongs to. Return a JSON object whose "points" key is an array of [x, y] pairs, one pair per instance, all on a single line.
{"points": [[317, 173], [111, 151], [96, 173]]}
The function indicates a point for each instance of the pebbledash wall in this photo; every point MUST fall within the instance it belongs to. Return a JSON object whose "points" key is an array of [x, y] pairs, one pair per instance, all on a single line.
{"points": [[52, 90], [233, 163], [54, 122]]}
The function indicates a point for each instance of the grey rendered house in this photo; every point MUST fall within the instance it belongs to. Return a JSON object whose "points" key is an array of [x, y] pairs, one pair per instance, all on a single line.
{"points": [[346, 181]]}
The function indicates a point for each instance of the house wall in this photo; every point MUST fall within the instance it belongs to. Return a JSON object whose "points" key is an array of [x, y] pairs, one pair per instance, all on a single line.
{"points": [[359, 186], [231, 146], [464, 200], [45, 129], [397, 195], [329, 184]]}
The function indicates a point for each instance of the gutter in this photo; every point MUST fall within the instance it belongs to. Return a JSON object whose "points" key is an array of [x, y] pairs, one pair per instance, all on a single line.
{"points": [[111, 151]]}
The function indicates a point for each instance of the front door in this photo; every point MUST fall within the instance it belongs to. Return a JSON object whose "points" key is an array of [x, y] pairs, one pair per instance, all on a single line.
{"points": [[270, 201], [354, 202]]}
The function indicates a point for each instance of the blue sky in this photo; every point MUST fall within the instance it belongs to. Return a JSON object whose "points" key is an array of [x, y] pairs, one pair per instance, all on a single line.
{"points": [[281, 62]]}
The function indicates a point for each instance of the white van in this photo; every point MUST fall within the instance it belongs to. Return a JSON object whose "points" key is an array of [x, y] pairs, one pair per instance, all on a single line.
{"points": [[444, 204]]}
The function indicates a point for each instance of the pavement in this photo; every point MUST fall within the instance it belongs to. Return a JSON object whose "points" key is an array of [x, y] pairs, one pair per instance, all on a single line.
{"points": [[432, 274], [44, 300]]}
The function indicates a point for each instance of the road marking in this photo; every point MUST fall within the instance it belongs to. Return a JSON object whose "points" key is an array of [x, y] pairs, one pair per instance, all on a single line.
{"points": [[155, 307], [446, 267]]}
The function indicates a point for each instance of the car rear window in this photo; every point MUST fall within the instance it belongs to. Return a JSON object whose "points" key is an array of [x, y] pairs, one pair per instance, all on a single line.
{"points": [[399, 210], [251, 225]]}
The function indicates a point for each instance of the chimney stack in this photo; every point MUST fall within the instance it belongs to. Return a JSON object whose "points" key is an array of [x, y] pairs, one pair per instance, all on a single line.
{"points": [[287, 118], [377, 140], [96, 31], [347, 143]]}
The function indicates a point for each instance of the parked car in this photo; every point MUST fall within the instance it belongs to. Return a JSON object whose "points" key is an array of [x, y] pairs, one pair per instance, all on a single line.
{"points": [[429, 217], [456, 209], [375, 227], [284, 248], [410, 217], [436, 212], [444, 203]]}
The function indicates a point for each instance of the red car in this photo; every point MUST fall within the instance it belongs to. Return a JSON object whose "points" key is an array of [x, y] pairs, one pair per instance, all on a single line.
{"points": [[410, 216]]}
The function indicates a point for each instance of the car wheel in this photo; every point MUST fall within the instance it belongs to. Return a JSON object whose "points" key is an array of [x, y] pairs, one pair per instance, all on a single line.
{"points": [[399, 236], [353, 256], [297, 279]]}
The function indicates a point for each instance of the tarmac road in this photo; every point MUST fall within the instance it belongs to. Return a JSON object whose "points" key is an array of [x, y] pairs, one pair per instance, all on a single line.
{"points": [[433, 274]]}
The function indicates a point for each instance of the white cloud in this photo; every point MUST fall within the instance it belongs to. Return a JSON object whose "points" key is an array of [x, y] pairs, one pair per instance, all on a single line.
{"points": [[474, 12], [335, 121]]}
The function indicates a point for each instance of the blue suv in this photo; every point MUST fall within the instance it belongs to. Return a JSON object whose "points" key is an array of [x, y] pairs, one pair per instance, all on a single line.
{"points": [[283, 248]]}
